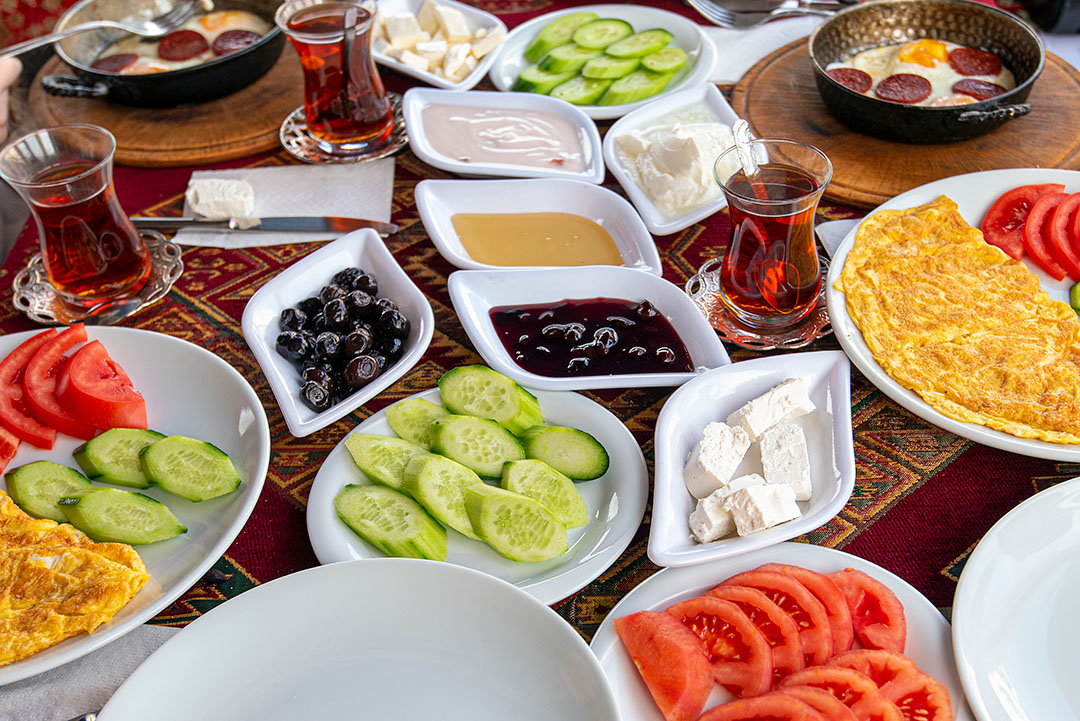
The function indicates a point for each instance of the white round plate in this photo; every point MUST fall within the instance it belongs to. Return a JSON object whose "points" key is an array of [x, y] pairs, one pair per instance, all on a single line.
{"points": [[1013, 613], [191, 392], [928, 641], [616, 504], [688, 35], [390, 639], [973, 193]]}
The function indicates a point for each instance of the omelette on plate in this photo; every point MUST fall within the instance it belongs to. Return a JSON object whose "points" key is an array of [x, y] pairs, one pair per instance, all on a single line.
{"points": [[56, 583], [965, 326]]}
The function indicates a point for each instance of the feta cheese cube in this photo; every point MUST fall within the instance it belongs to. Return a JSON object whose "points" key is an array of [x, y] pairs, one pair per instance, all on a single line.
{"points": [[785, 401], [709, 521], [408, 57], [433, 50], [480, 32], [756, 508], [464, 70], [482, 45], [385, 48], [455, 59], [439, 35], [453, 23], [403, 31], [426, 18], [784, 459], [714, 459]]}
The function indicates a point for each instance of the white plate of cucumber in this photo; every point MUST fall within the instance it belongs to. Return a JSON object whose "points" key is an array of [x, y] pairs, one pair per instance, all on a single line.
{"points": [[645, 65], [614, 502]]}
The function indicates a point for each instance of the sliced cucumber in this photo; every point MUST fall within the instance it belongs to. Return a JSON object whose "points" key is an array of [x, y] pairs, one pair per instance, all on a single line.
{"points": [[555, 33], [391, 521], [667, 60], [113, 515], [567, 58], [38, 487], [411, 418], [609, 68], [191, 469], [569, 451], [541, 482], [580, 90], [479, 443], [113, 457], [439, 484], [382, 458], [638, 85], [516, 526], [480, 391], [535, 80], [598, 34], [640, 44]]}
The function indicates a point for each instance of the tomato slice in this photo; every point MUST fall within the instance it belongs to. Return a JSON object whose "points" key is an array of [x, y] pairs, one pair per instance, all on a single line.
{"points": [[39, 382], [881, 666], [822, 701], [1003, 224], [14, 414], [800, 604], [96, 390], [9, 446], [739, 654], [1059, 236], [779, 629], [858, 692], [919, 697], [1036, 234], [774, 707], [876, 612], [824, 590]]}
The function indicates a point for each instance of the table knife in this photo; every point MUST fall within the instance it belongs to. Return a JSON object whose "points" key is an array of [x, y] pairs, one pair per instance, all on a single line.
{"points": [[324, 224]]}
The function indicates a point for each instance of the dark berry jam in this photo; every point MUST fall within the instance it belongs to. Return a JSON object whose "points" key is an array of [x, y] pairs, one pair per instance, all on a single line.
{"points": [[590, 337]]}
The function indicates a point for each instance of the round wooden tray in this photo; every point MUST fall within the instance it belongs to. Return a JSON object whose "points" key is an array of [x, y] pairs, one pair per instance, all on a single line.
{"points": [[779, 98], [235, 126]]}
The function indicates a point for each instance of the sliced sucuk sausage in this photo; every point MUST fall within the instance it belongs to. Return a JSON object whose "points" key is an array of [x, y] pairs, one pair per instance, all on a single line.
{"points": [[972, 61], [904, 88], [851, 78], [232, 40], [115, 63], [978, 89], [182, 45]]}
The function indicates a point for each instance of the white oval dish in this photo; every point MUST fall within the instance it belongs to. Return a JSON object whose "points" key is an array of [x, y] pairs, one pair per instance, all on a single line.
{"points": [[391, 639], [475, 292], [658, 113], [687, 35], [304, 278], [189, 391], [438, 201], [416, 99], [712, 397]]}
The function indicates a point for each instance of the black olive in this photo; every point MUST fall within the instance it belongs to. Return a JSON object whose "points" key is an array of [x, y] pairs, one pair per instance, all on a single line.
{"points": [[361, 305], [292, 319], [331, 292], [645, 309], [367, 283], [337, 318], [358, 342], [385, 304], [293, 346], [361, 370], [394, 323], [665, 354], [328, 345], [320, 376], [317, 323], [310, 306], [316, 396], [347, 278], [380, 359], [390, 346]]}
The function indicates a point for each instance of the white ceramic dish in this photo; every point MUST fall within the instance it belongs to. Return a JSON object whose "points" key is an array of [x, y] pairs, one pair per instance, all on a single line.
{"points": [[439, 200], [687, 35], [304, 278], [1014, 643], [928, 641], [712, 397], [416, 99], [475, 17], [475, 292], [616, 504], [189, 391], [973, 193], [666, 111], [393, 639]]}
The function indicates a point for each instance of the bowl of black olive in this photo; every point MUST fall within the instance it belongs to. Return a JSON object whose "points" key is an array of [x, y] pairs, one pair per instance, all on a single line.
{"points": [[335, 329]]}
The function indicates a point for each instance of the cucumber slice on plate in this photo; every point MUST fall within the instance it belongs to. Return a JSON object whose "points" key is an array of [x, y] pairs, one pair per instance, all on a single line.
{"points": [[113, 457], [606, 67], [571, 452], [191, 469], [38, 487], [541, 482], [113, 515], [638, 85], [567, 58], [391, 521], [479, 443], [580, 90], [555, 33], [535, 80], [598, 34], [515, 526], [480, 391], [439, 484], [667, 60], [382, 458], [639, 44], [412, 417]]}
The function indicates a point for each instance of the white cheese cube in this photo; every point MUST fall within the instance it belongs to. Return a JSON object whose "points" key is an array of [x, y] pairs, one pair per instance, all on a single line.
{"points": [[714, 459], [785, 401], [433, 50], [784, 459], [464, 70], [756, 508], [385, 48], [440, 35], [220, 199], [709, 521], [453, 23], [408, 57], [480, 32], [482, 45], [426, 18], [403, 31], [455, 59]]}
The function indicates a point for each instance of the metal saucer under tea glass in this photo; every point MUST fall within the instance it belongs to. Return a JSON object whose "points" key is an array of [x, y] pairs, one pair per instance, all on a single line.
{"points": [[36, 297], [294, 137], [704, 289]]}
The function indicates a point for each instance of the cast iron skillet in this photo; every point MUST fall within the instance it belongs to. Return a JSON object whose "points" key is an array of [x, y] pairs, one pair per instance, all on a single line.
{"points": [[213, 79], [889, 22]]}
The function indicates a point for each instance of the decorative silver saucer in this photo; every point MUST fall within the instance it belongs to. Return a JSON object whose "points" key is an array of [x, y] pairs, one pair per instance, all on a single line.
{"points": [[35, 297], [294, 136], [704, 289]]}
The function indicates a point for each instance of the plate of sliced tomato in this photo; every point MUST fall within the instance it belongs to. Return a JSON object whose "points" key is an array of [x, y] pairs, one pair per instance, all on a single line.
{"points": [[793, 631]]}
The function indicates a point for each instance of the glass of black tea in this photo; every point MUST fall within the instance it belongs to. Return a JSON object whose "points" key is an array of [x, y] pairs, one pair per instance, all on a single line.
{"points": [[770, 276]]}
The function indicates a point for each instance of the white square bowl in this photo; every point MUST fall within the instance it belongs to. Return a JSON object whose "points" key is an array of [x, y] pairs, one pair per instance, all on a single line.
{"points": [[439, 200], [416, 99], [475, 292], [654, 114], [304, 278], [712, 397], [475, 17]]}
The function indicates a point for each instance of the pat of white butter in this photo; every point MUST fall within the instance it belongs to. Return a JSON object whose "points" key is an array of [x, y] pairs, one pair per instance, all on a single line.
{"points": [[709, 521], [714, 458], [756, 508], [220, 199], [783, 402], [784, 459]]}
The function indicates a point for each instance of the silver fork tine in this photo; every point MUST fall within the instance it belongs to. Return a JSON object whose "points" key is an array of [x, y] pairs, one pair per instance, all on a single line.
{"points": [[178, 14], [713, 13]]}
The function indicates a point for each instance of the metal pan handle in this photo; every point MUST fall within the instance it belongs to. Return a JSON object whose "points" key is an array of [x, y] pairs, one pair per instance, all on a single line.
{"points": [[1003, 113], [71, 86]]}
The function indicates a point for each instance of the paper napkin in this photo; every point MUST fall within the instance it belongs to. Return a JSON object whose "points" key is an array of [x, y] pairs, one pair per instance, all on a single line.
{"points": [[741, 50]]}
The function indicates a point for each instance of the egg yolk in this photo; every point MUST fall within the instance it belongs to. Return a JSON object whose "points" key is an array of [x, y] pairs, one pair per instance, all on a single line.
{"points": [[217, 20], [924, 52]]}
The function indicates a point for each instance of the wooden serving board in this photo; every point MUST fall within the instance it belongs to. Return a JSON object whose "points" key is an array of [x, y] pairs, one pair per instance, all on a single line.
{"points": [[235, 126], [779, 98]]}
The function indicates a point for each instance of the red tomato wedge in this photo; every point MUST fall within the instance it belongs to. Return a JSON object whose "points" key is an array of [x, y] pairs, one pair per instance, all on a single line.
{"points": [[39, 382], [97, 391], [14, 415], [738, 653], [774, 707], [779, 629], [857, 691], [1003, 224], [668, 656], [919, 697], [1036, 240], [822, 701], [824, 590], [1059, 236], [9, 446], [881, 666], [876, 612]]}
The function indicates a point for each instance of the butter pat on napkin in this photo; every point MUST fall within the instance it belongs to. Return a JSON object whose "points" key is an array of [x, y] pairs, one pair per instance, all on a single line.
{"points": [[220, 198]]}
